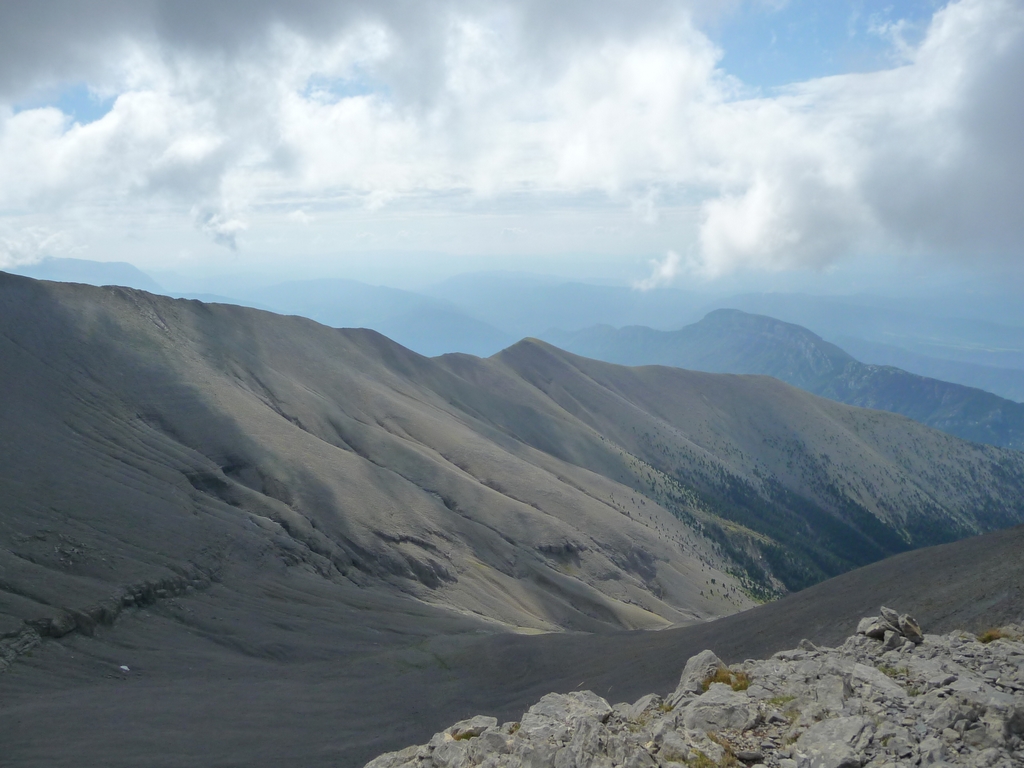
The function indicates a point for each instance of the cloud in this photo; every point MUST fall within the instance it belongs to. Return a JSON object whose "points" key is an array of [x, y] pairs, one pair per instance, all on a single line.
{"points": [[299, 216], [230, 109], [221, 227], [662, 272], [31, 245], [645, 207], [926, 157]]}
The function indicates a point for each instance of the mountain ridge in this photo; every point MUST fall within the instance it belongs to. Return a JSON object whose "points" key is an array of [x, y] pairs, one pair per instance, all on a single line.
{"points": [[732, 341], [535, 488], [287, 512]]}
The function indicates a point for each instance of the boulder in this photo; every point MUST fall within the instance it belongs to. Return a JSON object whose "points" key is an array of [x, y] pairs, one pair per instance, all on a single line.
{"points": [[571, 707], [873, 626], [468, 729], [836, 743], [698, 669], [452, 754], [556, 714], [891, 616], [911, 629], [892, 640], [721, 708], [643, 706], [61, 624]]}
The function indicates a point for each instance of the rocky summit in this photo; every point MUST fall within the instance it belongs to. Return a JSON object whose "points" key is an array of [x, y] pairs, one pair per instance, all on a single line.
{"points": [[890, 696]]}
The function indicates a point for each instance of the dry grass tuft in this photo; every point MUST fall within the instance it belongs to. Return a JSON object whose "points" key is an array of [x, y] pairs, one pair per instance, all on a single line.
{"points": [[738, 681], [992, 634]]}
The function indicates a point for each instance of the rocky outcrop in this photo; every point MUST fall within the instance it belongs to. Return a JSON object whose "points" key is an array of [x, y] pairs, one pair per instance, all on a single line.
{"points": [[104, 613], [926, 700]]}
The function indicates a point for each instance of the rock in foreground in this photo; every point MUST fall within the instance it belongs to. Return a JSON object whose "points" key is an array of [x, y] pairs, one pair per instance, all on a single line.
{"points": [[891, 698]]}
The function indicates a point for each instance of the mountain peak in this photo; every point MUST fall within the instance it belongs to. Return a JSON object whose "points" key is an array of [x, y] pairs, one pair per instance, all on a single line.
{"points": [[734, 341]]}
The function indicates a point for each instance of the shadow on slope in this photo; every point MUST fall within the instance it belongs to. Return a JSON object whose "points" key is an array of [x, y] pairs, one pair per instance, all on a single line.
{"points": [[320, 692]]}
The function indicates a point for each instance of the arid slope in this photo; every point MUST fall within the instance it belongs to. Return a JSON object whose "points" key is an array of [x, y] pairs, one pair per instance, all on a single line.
{"points": [[146, 438]]}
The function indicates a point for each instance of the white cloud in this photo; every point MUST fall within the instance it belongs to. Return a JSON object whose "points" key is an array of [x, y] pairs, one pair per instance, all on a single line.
{"points": [[222, 227], [30, 245], [299, 216], [373, 105], [924, 157], [662, 272]]}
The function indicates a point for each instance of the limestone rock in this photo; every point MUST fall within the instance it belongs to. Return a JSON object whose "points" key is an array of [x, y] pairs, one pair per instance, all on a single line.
{"points": [[952, 700], [698, 669], [467, 729], [911, 629], [721, 708], [891, 617], [873, 626], [892, 640], [643, 705], [573, 706], [61, 624]]}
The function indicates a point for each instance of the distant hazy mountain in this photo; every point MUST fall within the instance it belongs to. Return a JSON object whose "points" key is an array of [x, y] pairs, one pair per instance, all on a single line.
{"points": [[527, 305], [966, 340], [426, 325], [1005, 382], [90, 273], [730, 341], [1003, 309]]}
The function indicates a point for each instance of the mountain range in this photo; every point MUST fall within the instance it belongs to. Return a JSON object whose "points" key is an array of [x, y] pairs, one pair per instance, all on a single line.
{"points": [[974, 340], [931, 333], [533, 489], [731, 341], [1004, 382], [213, 512]]}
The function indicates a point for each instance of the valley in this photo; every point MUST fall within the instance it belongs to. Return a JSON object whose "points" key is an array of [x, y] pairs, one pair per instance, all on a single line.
{"points": [[212, 509]]}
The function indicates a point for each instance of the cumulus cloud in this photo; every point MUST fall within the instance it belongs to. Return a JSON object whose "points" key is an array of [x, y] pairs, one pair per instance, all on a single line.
{"points": [[926, 156], [30, 245], [222, 228], [663, 272], [231, 108]]}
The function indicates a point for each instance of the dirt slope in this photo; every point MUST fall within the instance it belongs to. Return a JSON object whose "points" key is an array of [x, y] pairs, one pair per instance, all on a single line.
{"points": [[248, 675], [149, 439]]}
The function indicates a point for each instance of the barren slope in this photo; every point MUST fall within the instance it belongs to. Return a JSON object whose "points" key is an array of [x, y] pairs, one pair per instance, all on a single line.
{"points": [[308, 545], [202, 689], [143, 436], [149, 438]]}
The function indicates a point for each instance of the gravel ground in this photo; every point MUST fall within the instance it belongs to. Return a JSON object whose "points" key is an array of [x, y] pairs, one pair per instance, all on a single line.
{"points": [[234, 676]]}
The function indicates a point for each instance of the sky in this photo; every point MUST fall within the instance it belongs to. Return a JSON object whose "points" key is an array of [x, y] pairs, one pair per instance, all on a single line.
{"points": [[663, 142]]}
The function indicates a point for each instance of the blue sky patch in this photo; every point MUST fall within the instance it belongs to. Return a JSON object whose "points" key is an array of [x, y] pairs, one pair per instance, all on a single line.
{"points": [[77, 101], [805, 39], [334, 89]]}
